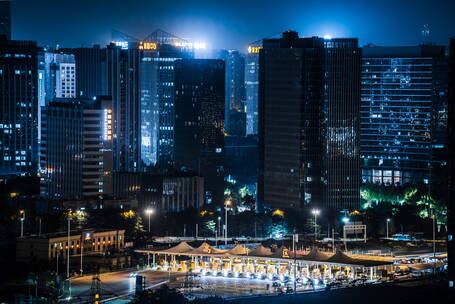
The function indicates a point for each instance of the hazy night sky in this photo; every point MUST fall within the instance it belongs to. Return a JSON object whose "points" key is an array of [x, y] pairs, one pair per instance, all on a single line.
{"points": [[232, 24]]}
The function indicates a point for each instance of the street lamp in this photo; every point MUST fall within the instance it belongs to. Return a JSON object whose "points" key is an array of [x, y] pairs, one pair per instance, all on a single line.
{"points": [[22, 218], [218, 232], [387, 227], [149, 212], [226, 203], [315, 213]]}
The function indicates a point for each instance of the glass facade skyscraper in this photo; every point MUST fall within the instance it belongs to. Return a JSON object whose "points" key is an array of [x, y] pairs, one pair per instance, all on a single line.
{"points": [[309, 100], [252, 89], [199, 122], [19, 110], [403, 114]]}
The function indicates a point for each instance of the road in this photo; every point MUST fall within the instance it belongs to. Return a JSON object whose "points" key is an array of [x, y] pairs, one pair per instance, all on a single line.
{"points": [[116, 283]]}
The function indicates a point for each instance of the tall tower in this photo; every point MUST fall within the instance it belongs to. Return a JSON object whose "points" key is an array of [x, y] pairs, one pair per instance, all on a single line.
{"points": [[309, 98], [19, 106]]}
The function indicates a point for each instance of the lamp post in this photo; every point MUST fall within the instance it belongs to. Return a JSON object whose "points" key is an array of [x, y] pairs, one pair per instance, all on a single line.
{"points": [[315, 213], [22, 218], [68, 247], [218, 232], [149, 212], [387, 228], [226, 203]]}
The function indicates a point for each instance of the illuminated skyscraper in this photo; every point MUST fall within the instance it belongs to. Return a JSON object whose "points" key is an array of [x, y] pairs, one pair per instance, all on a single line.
{"points": [[60, 76], [235, 84], [403, 114], [252, 89], [451, 176], [309, 99], [199, 122], [76, 148], [19, 91]]}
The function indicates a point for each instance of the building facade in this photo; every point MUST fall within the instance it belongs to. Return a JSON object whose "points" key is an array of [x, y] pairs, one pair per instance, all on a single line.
{"points": [[76, 148], [309, 100], [47, 247], [403, 114], [19, 90], [199, 122], [451, 176], [91, 71], [234, 84], [252, 89], [59, 76]]}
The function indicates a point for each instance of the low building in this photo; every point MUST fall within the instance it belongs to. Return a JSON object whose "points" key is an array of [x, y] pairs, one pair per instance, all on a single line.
{"points": [[171, 192], [46, 247]]}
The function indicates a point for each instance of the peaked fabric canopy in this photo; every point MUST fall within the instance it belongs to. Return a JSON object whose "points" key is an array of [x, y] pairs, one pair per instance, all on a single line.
{"points": [[340, 257], [183, 247], [205, 248], [260, 251], [238, 250], [282, 253], [316, 255]]}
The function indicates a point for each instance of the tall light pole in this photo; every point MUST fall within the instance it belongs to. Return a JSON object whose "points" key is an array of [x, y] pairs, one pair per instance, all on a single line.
{"points": [[433, 216], [387, 228], [226, 203], [22, 218], [68, 251], [218, 231], [149, 212], [315, 213]]}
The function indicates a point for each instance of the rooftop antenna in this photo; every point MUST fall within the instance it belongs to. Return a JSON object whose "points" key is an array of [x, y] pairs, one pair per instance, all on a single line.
{"points": [[425, 33]]}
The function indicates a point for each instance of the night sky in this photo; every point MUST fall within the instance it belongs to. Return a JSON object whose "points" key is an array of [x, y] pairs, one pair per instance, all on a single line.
{"points": [[232, 24]]}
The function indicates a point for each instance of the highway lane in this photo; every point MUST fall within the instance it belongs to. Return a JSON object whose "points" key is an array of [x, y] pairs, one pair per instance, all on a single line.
{"points": [[116, 283]]}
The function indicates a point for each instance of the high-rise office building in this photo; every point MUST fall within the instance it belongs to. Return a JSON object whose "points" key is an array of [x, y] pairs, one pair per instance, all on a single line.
{"points": [[403, 114], [5, 19], [141, 81], [19, 64], [234, 84], [76, 148], [199, 122], [123, 85], [252, 89], [309, 100], [91, 71], [59, 76], [451, 175]]}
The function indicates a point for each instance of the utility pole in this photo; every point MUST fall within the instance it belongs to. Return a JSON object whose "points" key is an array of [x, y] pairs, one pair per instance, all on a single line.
{"points": [[197, 228], [68, 251], [82, 252], [225, 221], [333, 240], [294, 240]]}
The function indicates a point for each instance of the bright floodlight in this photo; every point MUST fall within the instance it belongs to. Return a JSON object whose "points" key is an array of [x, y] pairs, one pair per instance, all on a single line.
{"points": [[327, 37], [316, 211], [149, 211], [345, 219], [388, 220], [199, 45]]}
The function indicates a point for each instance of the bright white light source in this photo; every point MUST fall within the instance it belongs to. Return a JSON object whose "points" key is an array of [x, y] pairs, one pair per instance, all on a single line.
{"points": [[199, 45], [327, 37]]}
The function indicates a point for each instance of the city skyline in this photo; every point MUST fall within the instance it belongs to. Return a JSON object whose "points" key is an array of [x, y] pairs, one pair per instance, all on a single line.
{"points": [[232, 25]]}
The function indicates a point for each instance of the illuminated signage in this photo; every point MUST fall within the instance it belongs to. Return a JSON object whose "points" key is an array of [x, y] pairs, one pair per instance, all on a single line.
{"points": [[254, 49], [191, 45], [147, 46], [122, 44], [107, 125]]}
